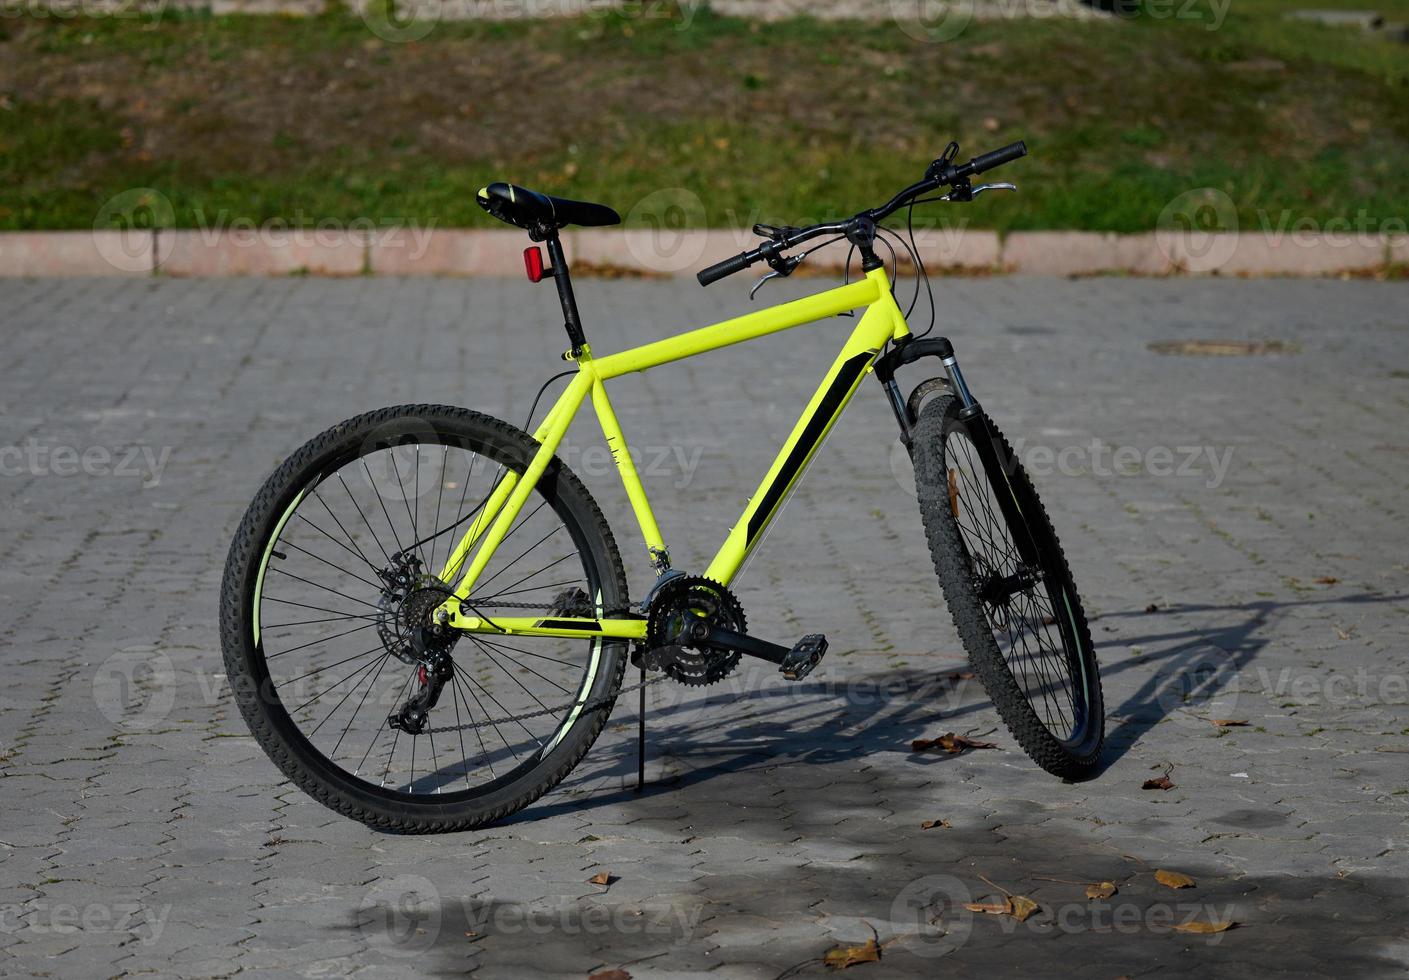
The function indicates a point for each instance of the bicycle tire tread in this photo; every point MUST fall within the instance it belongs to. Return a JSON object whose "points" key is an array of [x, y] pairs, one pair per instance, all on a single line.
{"points": [[952, 568]]}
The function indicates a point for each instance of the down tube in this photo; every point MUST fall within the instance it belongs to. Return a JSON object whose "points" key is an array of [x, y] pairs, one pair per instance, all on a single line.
{"points": [[832, 396]]}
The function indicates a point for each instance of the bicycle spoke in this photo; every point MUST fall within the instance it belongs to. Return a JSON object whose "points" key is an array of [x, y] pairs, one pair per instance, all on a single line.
{"points": [[498, 704], [319, 670], [304, 605], [489, 763], [325, 588], [375, 489], [495, 661], [381, 661], [334, 686], [346, 728], [330, 538], [439, 493], [375, 585], [325, 639], [344, 530], [357, 508]]}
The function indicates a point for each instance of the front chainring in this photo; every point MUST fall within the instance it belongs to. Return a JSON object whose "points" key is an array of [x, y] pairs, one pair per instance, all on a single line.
{"points": [[696, 598]]}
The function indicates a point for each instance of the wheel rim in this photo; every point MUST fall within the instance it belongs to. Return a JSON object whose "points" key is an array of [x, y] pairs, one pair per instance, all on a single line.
{"points": [[1028, 609], [323, 608]]}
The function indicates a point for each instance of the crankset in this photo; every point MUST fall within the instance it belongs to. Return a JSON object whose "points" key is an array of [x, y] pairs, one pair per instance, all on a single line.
{"points": [[683, 612], [695, 633]]}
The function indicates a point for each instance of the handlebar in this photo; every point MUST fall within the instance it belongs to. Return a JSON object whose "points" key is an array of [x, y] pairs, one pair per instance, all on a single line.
{"points": [[996, 158], [728, 267], [939, 174]]}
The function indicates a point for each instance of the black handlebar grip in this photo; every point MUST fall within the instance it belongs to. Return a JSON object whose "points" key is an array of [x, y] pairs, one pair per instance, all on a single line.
{"points": [[998, 157], [728, 267]]}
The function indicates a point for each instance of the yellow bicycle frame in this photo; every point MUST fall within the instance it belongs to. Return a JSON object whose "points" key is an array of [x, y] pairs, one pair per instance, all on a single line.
{"points": [[881, 322]]}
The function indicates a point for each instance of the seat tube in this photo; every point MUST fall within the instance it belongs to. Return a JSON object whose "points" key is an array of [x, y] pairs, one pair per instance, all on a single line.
{"points": [[630, 479]]}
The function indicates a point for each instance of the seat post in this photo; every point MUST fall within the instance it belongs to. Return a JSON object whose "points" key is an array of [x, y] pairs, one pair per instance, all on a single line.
{"points": [[571, 321]]}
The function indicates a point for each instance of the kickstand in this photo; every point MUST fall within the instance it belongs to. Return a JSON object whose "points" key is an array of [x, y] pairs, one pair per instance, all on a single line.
{"points": [[641, 735]]}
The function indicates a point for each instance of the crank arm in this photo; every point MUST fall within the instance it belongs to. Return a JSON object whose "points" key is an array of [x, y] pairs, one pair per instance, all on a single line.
{"points": [[729, 640]]}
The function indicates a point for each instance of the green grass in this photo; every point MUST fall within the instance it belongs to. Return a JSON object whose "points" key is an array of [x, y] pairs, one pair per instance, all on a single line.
{"points": [[302, 120]]}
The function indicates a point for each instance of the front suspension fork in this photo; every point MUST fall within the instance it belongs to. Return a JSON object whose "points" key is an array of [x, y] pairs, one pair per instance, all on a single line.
{"points": [[995, 463]]}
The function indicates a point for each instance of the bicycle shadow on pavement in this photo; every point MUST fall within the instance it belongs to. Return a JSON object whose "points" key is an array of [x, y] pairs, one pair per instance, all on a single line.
{"points": [[753, 720], [1196, 671]]}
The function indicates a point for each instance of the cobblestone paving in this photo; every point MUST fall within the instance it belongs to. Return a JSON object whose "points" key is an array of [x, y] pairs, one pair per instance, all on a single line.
{"points": [[1257, 572]]}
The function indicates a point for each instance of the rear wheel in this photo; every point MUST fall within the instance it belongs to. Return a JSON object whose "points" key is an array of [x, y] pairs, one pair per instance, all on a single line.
{"points": [[332, 651], [1010, 591]]}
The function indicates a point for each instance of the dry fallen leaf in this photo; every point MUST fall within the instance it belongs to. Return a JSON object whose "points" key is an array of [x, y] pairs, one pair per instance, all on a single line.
{"points": [[1174, 879], [1205, 928], [931, 824], [1160, 783], [1023, 907], [1230, 722], [601, 878], [949, 742], [610, 975], [954, 492], [1019, 907], [1325, 580], [1100, 889], [845, 956]]}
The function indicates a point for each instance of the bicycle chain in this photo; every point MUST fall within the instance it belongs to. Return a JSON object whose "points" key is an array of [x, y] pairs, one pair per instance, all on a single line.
{"points": [[587, 705]]}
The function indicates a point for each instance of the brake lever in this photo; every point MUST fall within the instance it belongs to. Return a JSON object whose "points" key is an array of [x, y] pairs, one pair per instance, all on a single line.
{"points": [[1001, 186], [782, 266], [762, 279]]}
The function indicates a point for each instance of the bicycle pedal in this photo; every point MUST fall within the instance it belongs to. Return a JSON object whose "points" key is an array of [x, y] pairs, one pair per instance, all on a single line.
{"points": [[804, 657]]}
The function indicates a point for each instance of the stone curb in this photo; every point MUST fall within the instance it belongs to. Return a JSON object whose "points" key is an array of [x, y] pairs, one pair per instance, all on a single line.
{"points": [[650, 253]]}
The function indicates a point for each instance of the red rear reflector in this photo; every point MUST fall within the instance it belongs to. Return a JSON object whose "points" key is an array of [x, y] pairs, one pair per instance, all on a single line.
{"points": [[533, 263]]}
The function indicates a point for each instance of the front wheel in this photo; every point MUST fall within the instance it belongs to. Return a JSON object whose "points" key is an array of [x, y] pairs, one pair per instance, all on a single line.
{"points": [[331, 645], [1009, 588]]}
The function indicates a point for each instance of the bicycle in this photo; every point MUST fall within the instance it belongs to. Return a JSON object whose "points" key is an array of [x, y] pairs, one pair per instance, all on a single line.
{"points": [[515, 655]]}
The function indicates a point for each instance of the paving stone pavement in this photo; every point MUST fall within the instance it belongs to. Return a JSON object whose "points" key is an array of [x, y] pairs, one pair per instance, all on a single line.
{"points": [[144, 832]]}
